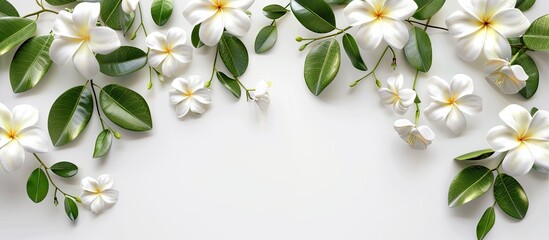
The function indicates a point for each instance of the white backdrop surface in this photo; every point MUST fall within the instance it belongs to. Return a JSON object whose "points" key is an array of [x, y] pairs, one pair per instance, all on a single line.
{"points": [[322, 168]]}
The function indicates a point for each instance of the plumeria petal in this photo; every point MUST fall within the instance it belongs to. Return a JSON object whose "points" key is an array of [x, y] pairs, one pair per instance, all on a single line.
{"points": [[105, 182], [400, 9], [97, 206], [470, 104], [12, 156], [197, 107], [407, 97], [212, 29], [88, 197], [33, 140], [386, 95], [157, 41], [502, 138], [194, 83], [170, 66], [198, 11], [438, 89], [496, 6], [241, 4], [237, 22], [183, 53], [540, 153], [64, 27], [518, 161], [519, 73], [85, 62], [461, 24], [110, 196], [5, 137], [368, 35], [516, 117], [471, 46], [63, 49], [455, 121], [176, 36], [183, 108], [359, 12], [403, 127], [203, 95], [103, 40], [156, 57], [395, 33], [496, 45], [461, 85], [5, 118], [89, 184], [85, 16], [539, 126], [24, 116], [510, 22], [437, 111], [176, 97]]}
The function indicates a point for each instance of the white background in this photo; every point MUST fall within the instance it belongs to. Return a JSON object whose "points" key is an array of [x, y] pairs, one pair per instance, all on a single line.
{"points": [[323, 168]]}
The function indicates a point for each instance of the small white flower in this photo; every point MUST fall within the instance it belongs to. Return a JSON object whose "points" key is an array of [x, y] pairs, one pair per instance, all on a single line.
{"points": [[98, 195], [169, 51], [217, 16], [18, 134], [189, 95], [380, 20], [485, 26], [78, 38], [261, 94], [452, 101], [128, 6], [510, 79], [417, 137], [525, 137], [401, 99]]}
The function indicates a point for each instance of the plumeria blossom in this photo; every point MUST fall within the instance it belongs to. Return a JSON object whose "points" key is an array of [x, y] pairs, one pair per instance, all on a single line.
{"points": [[525, 137], [261, 95], [98, 195], [484, 26], [395, 95], [169, 51], [189, 96], [510, 79], [78, 38], [215, 16], [18, 134], [417, 137], [380, 20], [128, 6], [451, 102]]}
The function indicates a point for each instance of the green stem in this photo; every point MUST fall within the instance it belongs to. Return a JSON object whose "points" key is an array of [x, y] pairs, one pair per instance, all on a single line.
{"points": [[426, 25], [214, 68], [416, 101], [37, 13], [312, 40], [46, 168], [517, 55], [242, 85], [355, 83], [500, 162], [97, 104], [141, 17]]}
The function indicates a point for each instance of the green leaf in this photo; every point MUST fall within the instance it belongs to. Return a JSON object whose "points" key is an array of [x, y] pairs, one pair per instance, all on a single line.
{"points": [[71, 209], [195, 37], [125, 108], [233, 54], [103, 144], [64, 169], [122, 61], [524, 5], [322, 65], [418, 50], [7, 10], [315, 15], [353, 52], [266, 39], [112, 14], [427, 8], [30, 63], [469, 184], [510, 196], [531, 69], [70, 115], [13, 31], [37, 185], [486, 223], [476, 155], [533, 111], [338, 2], [229, 83], [126, 21], [274, 11], [59, 2], [537, 36], [161, 11]]}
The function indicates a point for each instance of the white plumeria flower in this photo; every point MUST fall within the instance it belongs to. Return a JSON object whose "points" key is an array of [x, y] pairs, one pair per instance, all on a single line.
{"points": [[401, 99], [525, 137], [510, 79], [485, 26], [128, 6], [380, 20], [417, 137], [261, 95], [217, 15], [78, 37], [452, 101], [98, 195], [189, 95], [18, 134], [169, 51]]}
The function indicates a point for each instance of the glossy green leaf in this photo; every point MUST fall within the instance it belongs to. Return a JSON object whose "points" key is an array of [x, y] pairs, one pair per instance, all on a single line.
{"points": [[533, 111], [112, 14], [427, 8], [229, 83], [59, 2], [7, 10], [103, 144], [338, 2], [524, 5], [37, 185], [126, 22], [531, 69], [353, 52], [233, 54], [510, 196], [71, 209], [161, 11], [537, 36], [30, 63], [13, 31], [195, 37], [486, 223], [125, 108], [315, 15], [476, 155], [469, 184], [418, 50], [123, 61], [322, 65], [274, 11], [266, 39], [64, 169], [70, 115]]}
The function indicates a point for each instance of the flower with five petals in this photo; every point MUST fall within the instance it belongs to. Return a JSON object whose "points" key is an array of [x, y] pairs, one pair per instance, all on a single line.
{"points": [[169, 52], [190, 95], [510, 79], [401, 99], [417, 137], [98, 194]]}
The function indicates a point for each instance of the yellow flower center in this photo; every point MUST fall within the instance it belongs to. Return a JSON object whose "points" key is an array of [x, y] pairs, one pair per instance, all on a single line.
{"points": [[220, 4], [188, 94]]}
